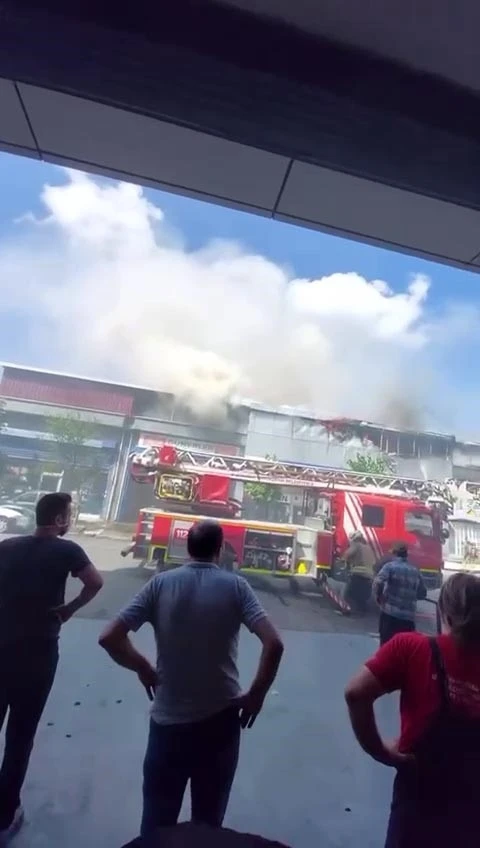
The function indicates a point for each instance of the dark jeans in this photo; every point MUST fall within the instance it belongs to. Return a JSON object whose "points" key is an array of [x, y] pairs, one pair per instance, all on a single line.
{"points": [[358, 592], [25, 683], [389, 626], [204, 752]]}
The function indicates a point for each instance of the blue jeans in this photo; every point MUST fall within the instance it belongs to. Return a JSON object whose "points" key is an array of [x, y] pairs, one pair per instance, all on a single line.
{"points": [[204, 752]]}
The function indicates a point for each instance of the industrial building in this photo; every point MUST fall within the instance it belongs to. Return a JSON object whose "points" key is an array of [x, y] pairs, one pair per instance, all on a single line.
{"points": [[112, 420], [119, 419]]}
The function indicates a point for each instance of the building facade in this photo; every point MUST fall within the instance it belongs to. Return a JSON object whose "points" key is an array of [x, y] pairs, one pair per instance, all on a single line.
{"points": [[63, 430], [59, 429], [335, 442]]}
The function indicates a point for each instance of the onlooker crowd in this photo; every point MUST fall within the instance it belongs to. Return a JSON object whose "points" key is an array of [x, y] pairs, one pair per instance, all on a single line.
{"points": [[198, 707]]}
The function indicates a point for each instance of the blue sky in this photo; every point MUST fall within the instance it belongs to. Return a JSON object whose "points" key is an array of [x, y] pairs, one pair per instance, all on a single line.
{"points": [[310, 253], [301, 253]]}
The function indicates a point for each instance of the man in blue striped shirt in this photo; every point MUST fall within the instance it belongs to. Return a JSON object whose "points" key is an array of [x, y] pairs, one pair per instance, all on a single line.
{"points": [[397, 588]]}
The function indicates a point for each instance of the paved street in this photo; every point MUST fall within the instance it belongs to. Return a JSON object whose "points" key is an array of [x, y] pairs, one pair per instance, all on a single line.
{"points": [[301, 780], [308, 612]]}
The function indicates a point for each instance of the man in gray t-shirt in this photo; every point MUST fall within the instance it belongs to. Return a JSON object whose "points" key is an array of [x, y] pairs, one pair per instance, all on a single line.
{"points": [[198, 707]]}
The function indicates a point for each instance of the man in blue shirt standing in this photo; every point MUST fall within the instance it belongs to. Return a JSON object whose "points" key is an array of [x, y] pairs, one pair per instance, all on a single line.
{"points": [[397, 588], [198, 708]]}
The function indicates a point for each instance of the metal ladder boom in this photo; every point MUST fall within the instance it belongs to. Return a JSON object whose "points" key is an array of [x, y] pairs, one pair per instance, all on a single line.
{"points": [[253, 469]]}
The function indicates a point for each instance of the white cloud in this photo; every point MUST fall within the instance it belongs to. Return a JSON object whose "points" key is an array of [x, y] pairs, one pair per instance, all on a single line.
{"points": [[114, 293]]}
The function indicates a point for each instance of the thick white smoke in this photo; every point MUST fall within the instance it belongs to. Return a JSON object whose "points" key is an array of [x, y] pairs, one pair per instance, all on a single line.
{"points": [[115, 294]]}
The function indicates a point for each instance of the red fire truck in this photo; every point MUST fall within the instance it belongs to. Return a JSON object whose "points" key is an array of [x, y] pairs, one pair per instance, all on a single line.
{"points": [[263, 547], [384, 509]]}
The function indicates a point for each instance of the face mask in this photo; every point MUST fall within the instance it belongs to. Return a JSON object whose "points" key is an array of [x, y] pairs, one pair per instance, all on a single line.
{"points": [[63, 527]]}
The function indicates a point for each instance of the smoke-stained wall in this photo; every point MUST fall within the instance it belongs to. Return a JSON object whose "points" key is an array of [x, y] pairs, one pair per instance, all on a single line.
{"points": [[296, 440], [160, 419], [299, 439], [466, 462]]}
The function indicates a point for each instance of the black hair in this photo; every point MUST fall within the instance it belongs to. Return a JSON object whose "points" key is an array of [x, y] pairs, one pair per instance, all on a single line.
{"points": [[400, 549], [205, 540], [459, 604], [50, 507]]}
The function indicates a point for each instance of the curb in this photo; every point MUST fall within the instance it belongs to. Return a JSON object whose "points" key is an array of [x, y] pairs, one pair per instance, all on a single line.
{"points": [[101, 534]]}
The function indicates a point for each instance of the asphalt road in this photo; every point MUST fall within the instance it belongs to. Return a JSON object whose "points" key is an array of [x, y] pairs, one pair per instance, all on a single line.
{"points": [[302, 779], [306, 612]]}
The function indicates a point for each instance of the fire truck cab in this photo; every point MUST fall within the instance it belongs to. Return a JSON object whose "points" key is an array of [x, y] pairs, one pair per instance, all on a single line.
{"points": [[386, 518]]}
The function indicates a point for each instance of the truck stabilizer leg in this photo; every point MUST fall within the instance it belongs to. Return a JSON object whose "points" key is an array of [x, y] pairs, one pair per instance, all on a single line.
{"points": [[335, 597]]}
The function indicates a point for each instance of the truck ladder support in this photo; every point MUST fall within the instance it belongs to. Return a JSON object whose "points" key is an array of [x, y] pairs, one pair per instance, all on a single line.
{"points": [[335, 597]]}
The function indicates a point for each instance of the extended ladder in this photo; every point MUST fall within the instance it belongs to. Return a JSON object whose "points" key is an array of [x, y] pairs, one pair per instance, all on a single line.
{"points": [[146, 464]]}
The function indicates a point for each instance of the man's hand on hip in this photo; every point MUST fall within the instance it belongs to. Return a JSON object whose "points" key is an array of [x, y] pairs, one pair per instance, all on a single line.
{"points": [[63, 613], [249, 705], [148, 677]]}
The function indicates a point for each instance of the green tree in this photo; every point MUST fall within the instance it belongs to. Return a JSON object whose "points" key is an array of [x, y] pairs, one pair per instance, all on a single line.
{"points": [[267, 494], [70, 434], [265, 497], [5, 471], [368, 464], [263, 492]]}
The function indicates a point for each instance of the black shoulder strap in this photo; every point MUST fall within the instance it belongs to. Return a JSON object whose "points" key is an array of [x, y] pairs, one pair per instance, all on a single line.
{"points": [[439, 667]]}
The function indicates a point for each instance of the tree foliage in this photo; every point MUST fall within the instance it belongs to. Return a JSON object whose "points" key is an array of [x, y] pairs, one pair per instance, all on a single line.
{"points": [[5, 469], [263, 492], [368, 464], [3, 415], [70, 434]]}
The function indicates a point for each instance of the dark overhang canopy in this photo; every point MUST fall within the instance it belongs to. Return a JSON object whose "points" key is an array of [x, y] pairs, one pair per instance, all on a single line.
{"points": [[351, 118]]}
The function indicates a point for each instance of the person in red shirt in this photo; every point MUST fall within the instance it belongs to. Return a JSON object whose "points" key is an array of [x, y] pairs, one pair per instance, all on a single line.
{"points": [[436, 791]]}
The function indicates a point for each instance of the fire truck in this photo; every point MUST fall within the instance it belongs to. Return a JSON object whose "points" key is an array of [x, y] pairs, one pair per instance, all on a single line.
{"points": [[384, 508]]}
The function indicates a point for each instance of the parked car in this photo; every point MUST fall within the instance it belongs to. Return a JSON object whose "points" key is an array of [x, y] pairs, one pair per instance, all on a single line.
{"points": [[24, 500], [14, 519]]}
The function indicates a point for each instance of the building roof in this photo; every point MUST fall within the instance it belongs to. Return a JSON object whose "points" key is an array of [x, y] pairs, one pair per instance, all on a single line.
{"points": [[115, 403], [288, 411], [68, 374], [303, 412]]}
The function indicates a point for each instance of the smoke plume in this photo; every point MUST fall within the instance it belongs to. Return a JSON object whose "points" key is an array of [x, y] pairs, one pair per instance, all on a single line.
{"points": [[114, 293]]}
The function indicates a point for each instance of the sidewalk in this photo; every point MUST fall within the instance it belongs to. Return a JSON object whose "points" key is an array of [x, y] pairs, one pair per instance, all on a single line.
{"points": [[302, 778], [120, 532]]}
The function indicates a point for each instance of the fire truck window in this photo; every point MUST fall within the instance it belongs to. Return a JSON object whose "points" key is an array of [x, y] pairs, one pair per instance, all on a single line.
{"points": [[419, 522], [266, 551], [373, 516]]}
